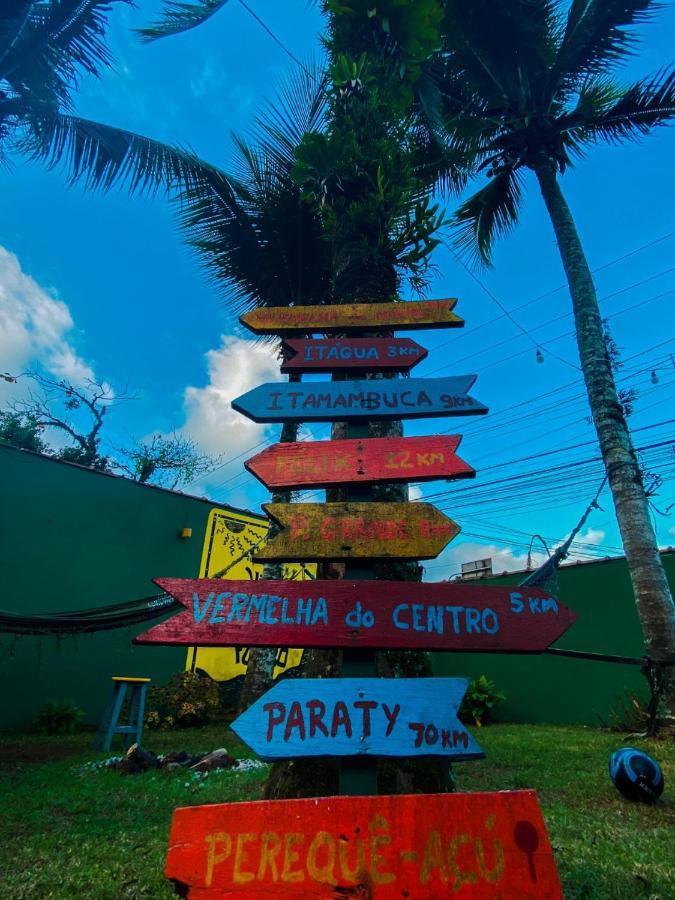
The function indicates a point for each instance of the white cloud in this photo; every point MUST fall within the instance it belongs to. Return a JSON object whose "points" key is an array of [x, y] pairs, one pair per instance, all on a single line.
{"points": [[414, 492], [592, 537], [671, 530], [234, 368], [34, 327], [504, 558]]}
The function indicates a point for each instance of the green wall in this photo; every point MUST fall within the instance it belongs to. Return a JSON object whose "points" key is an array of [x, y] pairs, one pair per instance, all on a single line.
{"points": [[559, 689], [71, 538]]}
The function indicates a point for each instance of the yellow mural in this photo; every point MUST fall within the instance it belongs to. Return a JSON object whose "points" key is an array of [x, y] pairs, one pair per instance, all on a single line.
{"points": [[230, 539]]}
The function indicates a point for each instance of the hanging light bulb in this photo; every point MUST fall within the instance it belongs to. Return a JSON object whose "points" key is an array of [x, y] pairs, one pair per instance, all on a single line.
{"points": [[655, 377], [540, 355]]}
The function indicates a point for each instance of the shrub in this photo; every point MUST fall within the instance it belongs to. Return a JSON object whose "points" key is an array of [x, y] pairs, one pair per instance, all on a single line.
{"points": [[480, 699], [186, 699], [58, 717]]}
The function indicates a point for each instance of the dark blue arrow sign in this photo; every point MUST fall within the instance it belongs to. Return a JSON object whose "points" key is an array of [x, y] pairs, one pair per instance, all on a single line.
{"points": [[359, 717], [331, 401]]}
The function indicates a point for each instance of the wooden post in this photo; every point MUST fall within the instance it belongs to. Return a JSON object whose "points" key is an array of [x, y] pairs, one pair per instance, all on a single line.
{"points": [[358, 776]]}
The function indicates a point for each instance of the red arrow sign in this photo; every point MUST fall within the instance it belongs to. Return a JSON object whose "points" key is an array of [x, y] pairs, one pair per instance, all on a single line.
{"points": [[355, 354], [309, 464], [422, 846], [326, 463], [389, 614]]}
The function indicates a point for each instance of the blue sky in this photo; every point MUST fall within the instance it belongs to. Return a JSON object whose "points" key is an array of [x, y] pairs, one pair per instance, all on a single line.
{"points": [[102, 284]]}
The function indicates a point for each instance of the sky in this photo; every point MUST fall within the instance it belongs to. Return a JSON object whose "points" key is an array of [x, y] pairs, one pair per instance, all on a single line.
{"points": [[101, 286]]}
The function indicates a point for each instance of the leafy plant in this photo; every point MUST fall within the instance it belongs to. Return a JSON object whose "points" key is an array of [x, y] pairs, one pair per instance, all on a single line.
{"points": [[479, 701], [186, 699], [58, 717]]}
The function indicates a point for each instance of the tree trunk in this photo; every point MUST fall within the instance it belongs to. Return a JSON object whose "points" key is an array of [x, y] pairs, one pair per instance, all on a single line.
{"points": [[652, 593], [261, 660]]}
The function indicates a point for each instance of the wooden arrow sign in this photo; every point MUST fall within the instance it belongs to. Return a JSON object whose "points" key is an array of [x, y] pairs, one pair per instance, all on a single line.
{"points": [[352, 317], [359, 717], [355, 354], [421, 846], [459, 616], [334, 401], [314, 531], [307, 464]]}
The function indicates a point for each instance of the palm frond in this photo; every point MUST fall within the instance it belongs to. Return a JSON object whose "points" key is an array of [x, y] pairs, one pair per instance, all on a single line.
{"points": [[490, 213], [640, 108], [299, 107], [484, 37], [58, 40], [102, 156], [598, 34], [260, 249], [14, 18], [261, 241], [177, 17]]}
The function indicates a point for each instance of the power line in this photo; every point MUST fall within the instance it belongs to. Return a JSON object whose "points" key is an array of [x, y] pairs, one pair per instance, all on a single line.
{"points": [[505, 310], [276, 39], [549, 293], [547, 453], [558, 319]]}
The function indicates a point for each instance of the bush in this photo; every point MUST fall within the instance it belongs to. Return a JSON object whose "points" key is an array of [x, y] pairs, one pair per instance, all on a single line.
{"points": [[187, 699], [480, 699], [58, 717]]}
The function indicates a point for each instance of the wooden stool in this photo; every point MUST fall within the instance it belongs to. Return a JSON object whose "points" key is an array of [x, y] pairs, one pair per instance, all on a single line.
{"points": [[109, 726]]}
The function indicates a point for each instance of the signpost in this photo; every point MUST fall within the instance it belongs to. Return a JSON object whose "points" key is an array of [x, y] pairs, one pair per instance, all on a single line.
{"points": [[359, 717], [354, 354], [422, 846], [314, 531], [335, 401], [352, 317], [469, 617], [307, 464]]}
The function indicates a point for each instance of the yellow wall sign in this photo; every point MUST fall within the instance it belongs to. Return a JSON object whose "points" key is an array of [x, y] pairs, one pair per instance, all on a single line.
{"points": [[230, 539]]}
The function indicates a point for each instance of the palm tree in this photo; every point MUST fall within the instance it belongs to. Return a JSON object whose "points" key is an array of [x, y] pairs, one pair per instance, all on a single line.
{"points": [[45, 46], [529, 85]]}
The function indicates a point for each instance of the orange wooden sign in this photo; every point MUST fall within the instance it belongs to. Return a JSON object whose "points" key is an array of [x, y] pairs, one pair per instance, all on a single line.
{"points": [[352, 316], [423, 847]]}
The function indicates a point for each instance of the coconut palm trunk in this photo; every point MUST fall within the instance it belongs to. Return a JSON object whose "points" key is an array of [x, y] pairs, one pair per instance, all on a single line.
{"points": [[652, 593]]}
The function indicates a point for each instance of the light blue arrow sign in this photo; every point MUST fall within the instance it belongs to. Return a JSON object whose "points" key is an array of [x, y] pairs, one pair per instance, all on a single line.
{"points": [[387, 398], [359, 717]]}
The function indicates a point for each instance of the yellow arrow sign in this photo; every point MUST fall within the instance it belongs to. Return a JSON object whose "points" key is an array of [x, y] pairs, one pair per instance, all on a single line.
{"points": [[352, 317], [357, 531]]}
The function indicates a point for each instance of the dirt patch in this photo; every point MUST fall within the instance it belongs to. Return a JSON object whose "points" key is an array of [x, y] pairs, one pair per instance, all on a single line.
{"points": [[18, 753]]}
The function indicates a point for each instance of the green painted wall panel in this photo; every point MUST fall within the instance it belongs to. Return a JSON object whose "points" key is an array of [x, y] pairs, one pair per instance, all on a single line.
{"points": [[71, 539], [559, 689]]}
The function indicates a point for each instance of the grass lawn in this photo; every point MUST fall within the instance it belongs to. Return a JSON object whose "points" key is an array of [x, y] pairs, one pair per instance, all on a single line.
{"points": [[67, 833]]}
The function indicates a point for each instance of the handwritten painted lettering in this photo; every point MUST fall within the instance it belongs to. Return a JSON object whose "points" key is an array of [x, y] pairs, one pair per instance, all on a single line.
{"points": [[347, 317], [421, 846], [352, 717], [382, 399], [324, 463], [460, 616]]}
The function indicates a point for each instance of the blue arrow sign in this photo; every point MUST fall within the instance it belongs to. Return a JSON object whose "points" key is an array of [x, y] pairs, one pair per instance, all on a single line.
{"points": [[359, 717], [331, 401]]}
